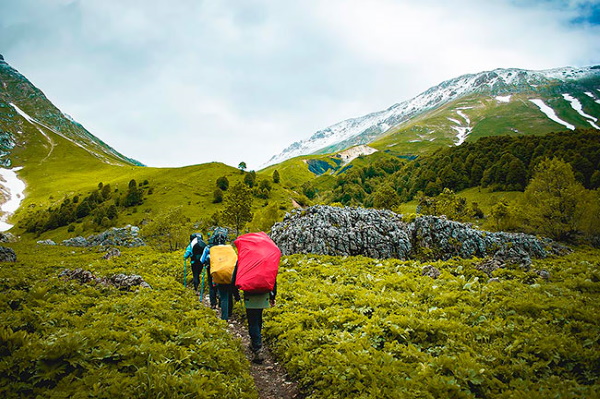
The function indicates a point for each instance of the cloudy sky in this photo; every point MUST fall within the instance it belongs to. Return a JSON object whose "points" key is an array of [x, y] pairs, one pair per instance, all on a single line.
{"points": [[181, 82]]}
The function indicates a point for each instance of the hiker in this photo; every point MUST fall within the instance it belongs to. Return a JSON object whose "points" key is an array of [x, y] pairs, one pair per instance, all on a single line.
{"points": [[194, 252], [221, 259], [255, 304], [256, 276]]}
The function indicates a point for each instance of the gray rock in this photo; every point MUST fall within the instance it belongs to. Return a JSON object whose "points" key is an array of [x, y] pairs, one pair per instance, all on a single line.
{"points": [[112, 253], [430, 271], [381, 234], [7, 237], [7, 255], [127, 236], [46, 242], [336, 231], [120, 281], [76, 242]]}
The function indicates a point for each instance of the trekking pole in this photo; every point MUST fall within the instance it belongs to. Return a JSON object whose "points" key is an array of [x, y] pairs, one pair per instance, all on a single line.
{"points": [[202, 285], [185, 273]]}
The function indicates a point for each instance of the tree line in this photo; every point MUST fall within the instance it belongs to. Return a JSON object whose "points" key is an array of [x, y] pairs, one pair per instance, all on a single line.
{"points": [[103, 205], [501, 163]]}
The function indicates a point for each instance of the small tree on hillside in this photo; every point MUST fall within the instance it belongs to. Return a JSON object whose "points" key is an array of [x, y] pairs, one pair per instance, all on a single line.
{"points": [[242, 167], [554, 200], [238, 207], [223, 183], [168, 231], [276, 177]]}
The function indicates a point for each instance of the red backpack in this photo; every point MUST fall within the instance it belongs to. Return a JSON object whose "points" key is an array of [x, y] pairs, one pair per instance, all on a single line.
{"points": [[258, 263]]}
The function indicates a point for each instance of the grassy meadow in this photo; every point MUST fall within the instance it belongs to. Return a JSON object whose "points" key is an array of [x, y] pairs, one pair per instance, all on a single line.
{"points": [[343, 327]]}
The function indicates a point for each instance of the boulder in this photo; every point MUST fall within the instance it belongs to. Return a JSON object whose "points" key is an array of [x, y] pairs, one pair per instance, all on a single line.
{"points": [[120, 281], [112, 253], [381, 234], [46, 242], [337, 231], [127, 236], [7, 255]]}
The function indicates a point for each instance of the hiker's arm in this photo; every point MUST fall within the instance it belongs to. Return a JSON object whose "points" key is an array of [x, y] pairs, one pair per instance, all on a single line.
{"points": [[188, 252], [236, 291], [273, 293], [204, 255]]}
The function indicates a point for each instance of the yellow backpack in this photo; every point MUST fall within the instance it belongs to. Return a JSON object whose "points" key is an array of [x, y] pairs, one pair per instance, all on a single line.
{"points": [[222, 262]]}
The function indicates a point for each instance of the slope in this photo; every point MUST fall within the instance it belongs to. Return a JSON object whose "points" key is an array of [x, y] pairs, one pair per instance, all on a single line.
{"points": [[505, 99]]}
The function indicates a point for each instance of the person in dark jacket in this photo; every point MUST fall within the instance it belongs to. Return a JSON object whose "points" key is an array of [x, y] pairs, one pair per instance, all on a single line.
{"points": [[194, 252]]}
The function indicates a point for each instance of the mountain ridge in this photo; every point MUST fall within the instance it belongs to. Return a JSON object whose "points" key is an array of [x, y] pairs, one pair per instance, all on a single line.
{"points": [[498, 82]]}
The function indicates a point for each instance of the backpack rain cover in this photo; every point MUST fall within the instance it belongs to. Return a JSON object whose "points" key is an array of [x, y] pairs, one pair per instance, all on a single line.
{"points": [[222, 263], [258, 263]]}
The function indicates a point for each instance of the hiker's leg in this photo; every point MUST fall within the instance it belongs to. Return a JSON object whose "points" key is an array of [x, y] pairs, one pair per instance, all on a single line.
{"points": [[224, 298], [212, 291], [230, 296], [196, 269], [254, 327]]}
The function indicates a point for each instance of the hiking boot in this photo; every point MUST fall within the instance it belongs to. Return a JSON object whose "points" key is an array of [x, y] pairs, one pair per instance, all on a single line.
{"points": [[258, 356]]}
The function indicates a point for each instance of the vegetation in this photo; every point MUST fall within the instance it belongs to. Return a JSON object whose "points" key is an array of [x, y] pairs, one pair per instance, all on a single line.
{"points": [[502, 163], [359, 327], [62, 338]]}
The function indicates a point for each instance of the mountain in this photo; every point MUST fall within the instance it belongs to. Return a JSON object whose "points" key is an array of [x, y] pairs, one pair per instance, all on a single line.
{"points": [[28, 118], [502, 101]]}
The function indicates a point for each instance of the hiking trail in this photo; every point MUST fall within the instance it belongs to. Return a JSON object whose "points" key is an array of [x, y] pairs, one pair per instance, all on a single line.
{"points": [[270, 377]]}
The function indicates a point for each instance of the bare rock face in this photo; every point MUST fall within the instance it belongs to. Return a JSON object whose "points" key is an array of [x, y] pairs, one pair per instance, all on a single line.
{"points": [[381, 234], [336, 231]]}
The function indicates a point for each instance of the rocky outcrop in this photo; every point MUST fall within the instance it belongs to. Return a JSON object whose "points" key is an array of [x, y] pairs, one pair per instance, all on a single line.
{"points": [[7, 237], [120, 281], [127, 236], [7, 255], [46, 242], [336, 231], [327, 230]]}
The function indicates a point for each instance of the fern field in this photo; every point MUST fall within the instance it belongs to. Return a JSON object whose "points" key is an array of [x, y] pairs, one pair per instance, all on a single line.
{"points": [[343, 327], [63, 339], [364, 328]]}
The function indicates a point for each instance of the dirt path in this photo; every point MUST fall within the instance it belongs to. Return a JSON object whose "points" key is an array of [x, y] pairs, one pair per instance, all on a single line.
{"points": [[270, 378]]}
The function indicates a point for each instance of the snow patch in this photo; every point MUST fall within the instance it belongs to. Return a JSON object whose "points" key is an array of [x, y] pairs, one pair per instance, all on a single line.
{"points": [[464, 116], [579, 108], [503, 99], [454, 120], [549, 112], [13, 189], [461, 134], [352, 153], [590, 94]]}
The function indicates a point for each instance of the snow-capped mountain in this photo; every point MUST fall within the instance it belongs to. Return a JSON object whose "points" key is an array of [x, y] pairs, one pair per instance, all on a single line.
{"points": [[500, 84]]}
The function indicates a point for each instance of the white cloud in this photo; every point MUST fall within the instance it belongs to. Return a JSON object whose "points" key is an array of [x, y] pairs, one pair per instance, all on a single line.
{"points": [[197, 81]]}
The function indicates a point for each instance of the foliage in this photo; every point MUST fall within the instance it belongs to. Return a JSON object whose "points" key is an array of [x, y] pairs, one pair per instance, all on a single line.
{"points": [[242, 166], [277, 178], [250, 178], [168, 231], [238, 207], [217, 196], [502, 163], [223, 183], [102, 205], [61, 338], [359, 327], [448, 204], [554, 202]]}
